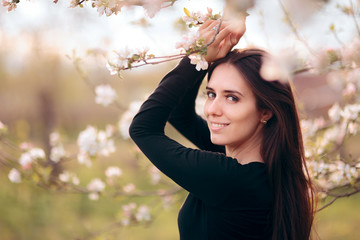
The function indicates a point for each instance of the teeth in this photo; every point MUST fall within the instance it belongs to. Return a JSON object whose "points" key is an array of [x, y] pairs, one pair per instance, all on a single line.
{"points": [[218, 125]]}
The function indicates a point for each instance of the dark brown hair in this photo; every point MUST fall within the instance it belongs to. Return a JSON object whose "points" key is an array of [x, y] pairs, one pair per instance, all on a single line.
{"points": [[282, 148]]}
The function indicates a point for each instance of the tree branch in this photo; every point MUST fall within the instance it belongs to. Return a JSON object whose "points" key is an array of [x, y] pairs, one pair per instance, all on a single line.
{"points": [[337, 196]]}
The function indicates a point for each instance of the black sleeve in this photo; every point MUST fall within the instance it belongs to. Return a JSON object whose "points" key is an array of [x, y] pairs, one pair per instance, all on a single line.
{"points": [[192, 126], [205, 174]]}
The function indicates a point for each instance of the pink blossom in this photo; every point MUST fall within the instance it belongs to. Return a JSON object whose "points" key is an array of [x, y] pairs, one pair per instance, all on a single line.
{"points": [[152, 7], [352, 52], [199, 61], [187, 41], [349, 90], [10, 4], [279, 67]]}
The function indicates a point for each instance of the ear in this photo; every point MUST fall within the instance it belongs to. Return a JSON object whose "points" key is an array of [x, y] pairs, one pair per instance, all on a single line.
{"points": [[265, 115]]}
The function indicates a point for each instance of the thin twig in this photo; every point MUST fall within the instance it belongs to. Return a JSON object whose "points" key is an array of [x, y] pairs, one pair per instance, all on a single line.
{"points": [[216, 33], [337, 196], [336, 36], [354, 18], [293, 28]]}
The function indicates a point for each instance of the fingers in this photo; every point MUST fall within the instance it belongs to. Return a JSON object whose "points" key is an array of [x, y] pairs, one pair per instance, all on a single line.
{"points": [[205, 24]]}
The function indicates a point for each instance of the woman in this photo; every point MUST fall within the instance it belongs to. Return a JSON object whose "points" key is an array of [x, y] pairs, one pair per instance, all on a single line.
{"points": [[249, 179]]}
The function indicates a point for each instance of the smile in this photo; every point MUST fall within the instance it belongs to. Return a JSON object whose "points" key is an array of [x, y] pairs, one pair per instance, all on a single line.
{"points": [[217, 126]]}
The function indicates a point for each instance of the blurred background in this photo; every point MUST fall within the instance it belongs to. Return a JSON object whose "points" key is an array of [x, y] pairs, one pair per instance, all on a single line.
{"points": [[42, 91]]}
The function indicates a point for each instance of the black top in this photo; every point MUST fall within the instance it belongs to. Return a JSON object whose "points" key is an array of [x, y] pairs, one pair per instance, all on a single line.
{"points": [[227, 200]]}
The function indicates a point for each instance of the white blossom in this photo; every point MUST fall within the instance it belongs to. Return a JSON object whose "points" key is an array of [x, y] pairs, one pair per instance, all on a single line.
{"points": [[37, 153], [14, 176], [105, 145], [28, 157], [196, 18], [129, 188], [112, 172], [353, 128], [119, 60], [93, 196], [128, 211], [25, 160], [334, 112], [96, 185], [83, 158], [54, 138], [105, 95], [108, 6], [127, 117], [350, 112], [94, 142], [155, 175], [64, 176], [187, 41], [199, 61], [57, 153], [87, 141], [143, 214]]}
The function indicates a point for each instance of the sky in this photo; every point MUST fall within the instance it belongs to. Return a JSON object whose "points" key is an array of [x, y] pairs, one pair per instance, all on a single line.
{"points": [[61, 29]]}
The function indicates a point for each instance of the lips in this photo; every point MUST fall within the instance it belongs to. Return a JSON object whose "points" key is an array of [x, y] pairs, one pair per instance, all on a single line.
{"points": [[215, 126]]}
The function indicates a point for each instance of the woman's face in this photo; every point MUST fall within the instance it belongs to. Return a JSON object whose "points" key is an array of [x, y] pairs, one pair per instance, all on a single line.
{"points": [[230, 108]]}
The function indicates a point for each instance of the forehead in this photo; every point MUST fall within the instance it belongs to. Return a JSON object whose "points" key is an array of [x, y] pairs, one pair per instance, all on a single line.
{"points": [[227, 77]]}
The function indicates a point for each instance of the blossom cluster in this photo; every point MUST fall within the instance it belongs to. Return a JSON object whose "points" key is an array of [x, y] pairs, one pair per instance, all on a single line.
{"points": [[105, 95], [110, 7], [93, 142], [10, 4], [57, 149], [195, 48], [133, 214], [127, 59], [321, 135], [30, 156], [330, 175], [95, 187], [29, 159], [194, 19]]}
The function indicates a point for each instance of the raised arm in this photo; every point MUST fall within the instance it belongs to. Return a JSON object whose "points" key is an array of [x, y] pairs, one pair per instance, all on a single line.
{"points": [[202, 173]]}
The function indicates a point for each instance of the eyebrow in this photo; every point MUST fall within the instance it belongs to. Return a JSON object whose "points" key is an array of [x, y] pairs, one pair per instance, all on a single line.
{"points": [[227, 91]]}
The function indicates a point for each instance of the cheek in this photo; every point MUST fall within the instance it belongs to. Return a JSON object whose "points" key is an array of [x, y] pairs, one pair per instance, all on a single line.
{"points": [[206, 107]]}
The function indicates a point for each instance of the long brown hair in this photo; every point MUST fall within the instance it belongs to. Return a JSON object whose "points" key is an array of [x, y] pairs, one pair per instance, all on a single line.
{"points": [[282, 148]]}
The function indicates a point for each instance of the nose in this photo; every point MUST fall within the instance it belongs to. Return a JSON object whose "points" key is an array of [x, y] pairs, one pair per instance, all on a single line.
{"points": [[213, 107]]}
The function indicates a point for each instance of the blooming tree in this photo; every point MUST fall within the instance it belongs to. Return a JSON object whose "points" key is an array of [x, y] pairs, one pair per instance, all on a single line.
{"points": [[335, 171]]}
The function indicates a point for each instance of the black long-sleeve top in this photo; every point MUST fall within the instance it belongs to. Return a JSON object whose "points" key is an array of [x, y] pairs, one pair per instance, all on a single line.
{"points": [[227, 200]]}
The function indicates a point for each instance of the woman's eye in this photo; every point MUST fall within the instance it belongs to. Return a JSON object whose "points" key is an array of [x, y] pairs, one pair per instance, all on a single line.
{"points": [[232, 98], [210, 94]]}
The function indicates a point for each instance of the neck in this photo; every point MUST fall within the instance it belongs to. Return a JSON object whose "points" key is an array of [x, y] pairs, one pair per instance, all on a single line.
{"points": [[246, 152]]}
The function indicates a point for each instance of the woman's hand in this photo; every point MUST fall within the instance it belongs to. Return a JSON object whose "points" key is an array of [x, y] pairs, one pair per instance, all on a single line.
{"points": [[229, 35]]}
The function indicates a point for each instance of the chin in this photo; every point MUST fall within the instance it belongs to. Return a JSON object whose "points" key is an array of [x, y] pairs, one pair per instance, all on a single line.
{"points": [[218, 141]]}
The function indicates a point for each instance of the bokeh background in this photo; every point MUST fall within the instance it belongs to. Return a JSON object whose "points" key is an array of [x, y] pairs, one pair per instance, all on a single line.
{"points": [[42, 91]]}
